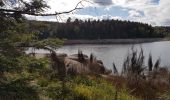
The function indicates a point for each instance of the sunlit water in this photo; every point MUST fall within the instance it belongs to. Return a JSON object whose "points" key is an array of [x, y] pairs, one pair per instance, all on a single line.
{"points": [[117, 52]]}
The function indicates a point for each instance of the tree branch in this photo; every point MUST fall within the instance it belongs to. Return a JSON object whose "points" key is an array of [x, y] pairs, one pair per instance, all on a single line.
{"points": [[6, 11]]}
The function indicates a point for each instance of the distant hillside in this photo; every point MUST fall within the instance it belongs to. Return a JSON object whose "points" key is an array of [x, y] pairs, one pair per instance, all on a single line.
{"points": [[163, 29], [105, 29]]}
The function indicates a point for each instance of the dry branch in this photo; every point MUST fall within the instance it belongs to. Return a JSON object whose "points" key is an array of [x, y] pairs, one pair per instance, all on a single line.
{"points": [[9, 11]]}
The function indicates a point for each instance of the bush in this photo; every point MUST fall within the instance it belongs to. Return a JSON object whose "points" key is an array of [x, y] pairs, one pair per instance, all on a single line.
{"points": [[164, 96], [43, 82], [98, 89], [100, 92]]}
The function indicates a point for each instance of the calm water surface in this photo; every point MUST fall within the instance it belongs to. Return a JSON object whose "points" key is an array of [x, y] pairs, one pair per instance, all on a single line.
{"points": [[117, 52]]}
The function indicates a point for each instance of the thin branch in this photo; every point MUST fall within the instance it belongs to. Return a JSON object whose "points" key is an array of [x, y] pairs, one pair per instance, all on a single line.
{"points": [[39, 14], [34, 14]]}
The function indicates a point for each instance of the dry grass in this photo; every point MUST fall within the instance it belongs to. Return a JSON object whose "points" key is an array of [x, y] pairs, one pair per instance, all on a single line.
{"points": [[145, 81]]}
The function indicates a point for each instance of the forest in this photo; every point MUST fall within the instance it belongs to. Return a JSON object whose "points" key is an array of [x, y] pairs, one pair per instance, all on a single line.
{"points": [[97, 29]]}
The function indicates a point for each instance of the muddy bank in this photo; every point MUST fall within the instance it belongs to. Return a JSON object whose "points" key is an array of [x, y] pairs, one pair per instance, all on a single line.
{"points": [[113, 41]]}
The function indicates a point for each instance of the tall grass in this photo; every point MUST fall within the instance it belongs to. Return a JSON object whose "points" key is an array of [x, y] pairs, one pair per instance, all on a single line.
{"points": [[92, 58], [134, 64], [144, 81], [115, 71], [145, 85], [81, 57], [150, 63]]}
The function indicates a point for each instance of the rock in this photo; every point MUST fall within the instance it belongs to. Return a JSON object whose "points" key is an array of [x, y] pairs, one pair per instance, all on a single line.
{"points": [[87, 66], [99, 61], [62, 55], [75, 57], [74, 66]]}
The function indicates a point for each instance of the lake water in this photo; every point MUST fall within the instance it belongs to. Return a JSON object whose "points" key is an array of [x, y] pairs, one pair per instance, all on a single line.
{"points": [[118, 52]]}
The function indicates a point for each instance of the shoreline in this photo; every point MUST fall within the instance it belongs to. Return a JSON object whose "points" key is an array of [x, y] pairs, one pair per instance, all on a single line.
{"points": [[115, 41]]}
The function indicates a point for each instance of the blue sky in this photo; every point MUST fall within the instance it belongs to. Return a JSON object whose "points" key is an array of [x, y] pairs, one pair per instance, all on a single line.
{"points": [[154, 12]]}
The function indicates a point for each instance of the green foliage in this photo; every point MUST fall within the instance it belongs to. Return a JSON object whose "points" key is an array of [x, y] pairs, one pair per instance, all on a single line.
{"points": [[164, 96], [18, 89], [83, 80], [42, 82], [37, 65], [98, 90], [162, 30], [55, 91], [104, 29], [84, 88], [18, 71], [52, 43]]}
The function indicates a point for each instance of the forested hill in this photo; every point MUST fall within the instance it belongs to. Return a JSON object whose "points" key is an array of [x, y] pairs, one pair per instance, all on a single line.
{"points": [[163, 29], [105, 29]]}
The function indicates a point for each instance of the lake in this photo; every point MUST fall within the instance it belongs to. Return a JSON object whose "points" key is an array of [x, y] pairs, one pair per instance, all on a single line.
{"points": [[118, 52]]}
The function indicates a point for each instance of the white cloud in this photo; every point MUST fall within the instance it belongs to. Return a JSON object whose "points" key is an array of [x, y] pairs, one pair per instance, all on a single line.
{"points": [[64, 18], [134, 13], [155, 13], [61, 5], [158, 14], [65, 5], [103, 2]]}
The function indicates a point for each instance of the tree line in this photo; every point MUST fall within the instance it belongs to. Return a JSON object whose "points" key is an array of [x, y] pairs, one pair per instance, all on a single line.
{"points": [[96, 29]]}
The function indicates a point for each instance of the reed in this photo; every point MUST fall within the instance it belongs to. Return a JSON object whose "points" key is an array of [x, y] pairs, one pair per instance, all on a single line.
{"points": [[115, 71], [144, 85], [150, 63], [81, 58], [134, 64]]}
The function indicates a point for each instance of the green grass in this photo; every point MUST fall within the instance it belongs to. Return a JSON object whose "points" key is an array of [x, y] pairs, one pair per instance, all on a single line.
{"points": [[83, 88]]}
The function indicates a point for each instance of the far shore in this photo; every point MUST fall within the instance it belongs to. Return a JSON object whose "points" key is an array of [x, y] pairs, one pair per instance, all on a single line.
{"points": [[115, 41]]}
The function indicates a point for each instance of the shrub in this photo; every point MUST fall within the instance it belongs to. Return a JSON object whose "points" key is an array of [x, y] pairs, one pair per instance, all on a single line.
{"points": [[43, 82], [98, 89], [100, 92], [164, 96]]}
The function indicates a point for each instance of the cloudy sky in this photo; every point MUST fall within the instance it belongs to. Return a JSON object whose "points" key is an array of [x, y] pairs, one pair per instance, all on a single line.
{"points": [[154, 12]]}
